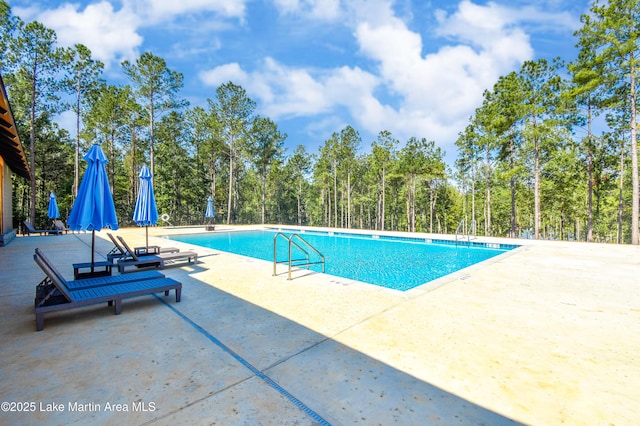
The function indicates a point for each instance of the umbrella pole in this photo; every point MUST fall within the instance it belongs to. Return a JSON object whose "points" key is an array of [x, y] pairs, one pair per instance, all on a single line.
{"points": [[93, 245], [146, 228]]}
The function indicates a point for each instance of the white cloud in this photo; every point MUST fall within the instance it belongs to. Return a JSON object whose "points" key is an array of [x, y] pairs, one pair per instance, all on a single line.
{"points": [[440, 90], [154, 11], [399, 84], [283, 92], [113, 36], [314, 9], [223, 74], [110, 35], [354, 89], [432, 95]]}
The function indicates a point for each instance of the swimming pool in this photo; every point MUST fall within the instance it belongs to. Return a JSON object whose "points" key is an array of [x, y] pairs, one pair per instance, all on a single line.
{"points": [[400, 263]]}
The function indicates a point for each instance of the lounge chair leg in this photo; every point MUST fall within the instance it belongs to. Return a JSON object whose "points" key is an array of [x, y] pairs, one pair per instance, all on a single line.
{"points": [[178, 293], [166, 292], [39, 321], [117, 306]]}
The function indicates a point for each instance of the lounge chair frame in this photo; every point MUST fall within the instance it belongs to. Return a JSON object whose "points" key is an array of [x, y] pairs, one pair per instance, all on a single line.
{"points": [[32, 230], [79, 284], [153, 260], [117, 252], [60, 226], [53, 294], [120, 253]]}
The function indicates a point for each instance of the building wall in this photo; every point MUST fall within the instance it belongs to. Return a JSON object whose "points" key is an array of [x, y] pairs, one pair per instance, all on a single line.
{"points": [[7, 232]]}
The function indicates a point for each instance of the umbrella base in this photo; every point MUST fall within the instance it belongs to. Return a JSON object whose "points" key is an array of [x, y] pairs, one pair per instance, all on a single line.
{"points": [[210, 227]]}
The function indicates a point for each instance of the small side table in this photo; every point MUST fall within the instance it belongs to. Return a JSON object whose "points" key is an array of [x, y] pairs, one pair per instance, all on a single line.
{"points": [[143, 251], [96, 269]]}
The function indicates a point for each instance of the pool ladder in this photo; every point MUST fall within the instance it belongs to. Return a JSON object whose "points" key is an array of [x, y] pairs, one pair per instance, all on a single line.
{"points": [[297, 241], [460, 230]]}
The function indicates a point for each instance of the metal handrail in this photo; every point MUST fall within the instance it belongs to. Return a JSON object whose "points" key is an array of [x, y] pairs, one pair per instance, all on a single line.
{"points": [[470, 231], [461, 224], [290, 260]]}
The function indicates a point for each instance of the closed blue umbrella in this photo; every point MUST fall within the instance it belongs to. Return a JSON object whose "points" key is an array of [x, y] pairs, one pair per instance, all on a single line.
{"points": [[94, 208], [210, 212], [53, 212], [146, 212]]}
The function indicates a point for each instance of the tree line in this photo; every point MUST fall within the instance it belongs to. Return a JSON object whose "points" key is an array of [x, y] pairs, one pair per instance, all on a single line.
{"points": [[530, 158], [529, 162]]}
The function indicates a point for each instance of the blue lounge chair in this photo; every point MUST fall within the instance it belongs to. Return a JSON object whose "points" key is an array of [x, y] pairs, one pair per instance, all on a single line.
{"points": [[32, 230], [152, 260], [119, 252], [53, 293], [80, 284], [60, 226]]}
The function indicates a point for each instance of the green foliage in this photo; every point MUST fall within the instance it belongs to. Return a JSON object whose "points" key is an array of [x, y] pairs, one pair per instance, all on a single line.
{"points": [[233, 111], [157, 88], [528, 161]]}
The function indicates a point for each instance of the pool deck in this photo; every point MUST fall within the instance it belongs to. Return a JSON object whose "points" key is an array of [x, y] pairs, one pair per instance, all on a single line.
{"points": [[546, 334]]}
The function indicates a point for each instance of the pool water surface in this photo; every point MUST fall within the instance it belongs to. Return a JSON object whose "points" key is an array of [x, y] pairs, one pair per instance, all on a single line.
{"points": [[395, 262]]}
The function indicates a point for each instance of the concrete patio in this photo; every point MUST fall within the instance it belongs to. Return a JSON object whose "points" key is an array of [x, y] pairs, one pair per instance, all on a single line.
{"points": [[547, 334]]}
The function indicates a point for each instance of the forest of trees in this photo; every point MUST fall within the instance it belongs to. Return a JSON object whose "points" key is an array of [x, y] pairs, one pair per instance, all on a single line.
{"points": [[529, 162]]}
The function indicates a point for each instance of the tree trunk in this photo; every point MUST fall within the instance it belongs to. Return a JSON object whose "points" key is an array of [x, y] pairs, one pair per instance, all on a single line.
{"points": [[299, 203], [411, 212], [212, 170], [264, 194], [536, 187], [342, 215], [329, 207], [335, 193], [349, 199], [151, 139], [621, 196], [431, 203], [382, 219], [512, 184], [112, 161], [487, 223], [589, 177], [76, 174], [230, 198], [132, 177], [635, 209], [323, 211], [473, 192]]}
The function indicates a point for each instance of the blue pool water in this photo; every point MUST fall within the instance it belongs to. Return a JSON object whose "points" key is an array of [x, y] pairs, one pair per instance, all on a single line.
{"points": [[400, 263]]}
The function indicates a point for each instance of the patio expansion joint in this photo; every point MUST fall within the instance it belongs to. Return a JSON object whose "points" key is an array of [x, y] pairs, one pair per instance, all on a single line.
{"points": [[199, 400], [256, 372], [300, 352]]}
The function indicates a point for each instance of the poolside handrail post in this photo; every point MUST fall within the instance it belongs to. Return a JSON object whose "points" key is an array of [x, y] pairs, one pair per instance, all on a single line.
{"points": [[472, 230], [275, 250], [458, 229], [307, 253], [290, 243], [289, 274], [274, 255]]}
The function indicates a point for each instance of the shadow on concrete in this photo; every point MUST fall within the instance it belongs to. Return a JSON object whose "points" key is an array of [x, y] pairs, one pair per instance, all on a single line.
{"points": [[213, 358]]}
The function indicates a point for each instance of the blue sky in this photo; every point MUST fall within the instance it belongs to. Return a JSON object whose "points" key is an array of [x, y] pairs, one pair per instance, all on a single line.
{"points": [[414, 68]]}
